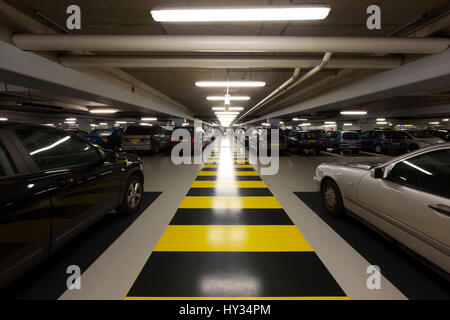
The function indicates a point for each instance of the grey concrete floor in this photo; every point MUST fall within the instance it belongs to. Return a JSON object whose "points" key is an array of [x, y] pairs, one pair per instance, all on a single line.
{"points": [[112, 275]]}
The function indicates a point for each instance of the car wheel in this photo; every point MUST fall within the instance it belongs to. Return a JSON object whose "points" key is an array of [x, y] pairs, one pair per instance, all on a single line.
{"points": [[156, 148], [378, 149], [132, 197], [332, 199]]}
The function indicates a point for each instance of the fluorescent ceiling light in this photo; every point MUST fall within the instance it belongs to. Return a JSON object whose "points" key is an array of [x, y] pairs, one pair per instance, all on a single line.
{"points": [[121, 122], [49, 124], [313, 12], [265, 124], [69, 122], [353, 112], [94, 125], [235, 108], [305, 124], [297, 119], [3, 119], [218, 108], [146, 124], [149, 119], [185, 124], [230, 84], [381, 119], [103, 124], [71, 119], [382, 122], [103, 111], [348, 124], [445, 119], [226, 113], [330, 122], [433, 123], [219, 98]]}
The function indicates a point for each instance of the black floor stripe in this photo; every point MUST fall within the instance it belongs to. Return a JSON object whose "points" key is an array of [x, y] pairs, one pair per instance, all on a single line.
{"points": [[407, 274], [231, 169], [235, 178], [238, 274], [230, 192], [231, 217]]}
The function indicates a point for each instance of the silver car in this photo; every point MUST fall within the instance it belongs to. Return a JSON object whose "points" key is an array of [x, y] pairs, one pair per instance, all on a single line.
{"points": [[407, 198]]}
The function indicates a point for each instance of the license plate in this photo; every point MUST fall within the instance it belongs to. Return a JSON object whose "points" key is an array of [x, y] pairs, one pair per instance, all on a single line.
{"points": [[352, 146], [396, 143], [135, 140], [312, 141]]}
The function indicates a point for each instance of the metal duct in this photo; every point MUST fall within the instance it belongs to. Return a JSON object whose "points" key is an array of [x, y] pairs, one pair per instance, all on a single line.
{"points": [[108, 61], [142, 43]]}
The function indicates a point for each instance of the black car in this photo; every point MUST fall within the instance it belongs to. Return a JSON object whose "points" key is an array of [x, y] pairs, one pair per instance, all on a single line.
{"points": [[443, 134], [53, 185]]}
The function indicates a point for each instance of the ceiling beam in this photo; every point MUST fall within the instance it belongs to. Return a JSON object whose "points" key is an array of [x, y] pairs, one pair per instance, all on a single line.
{"points": [[32, 71], [114, 61], [428, 73], [142, 43]]}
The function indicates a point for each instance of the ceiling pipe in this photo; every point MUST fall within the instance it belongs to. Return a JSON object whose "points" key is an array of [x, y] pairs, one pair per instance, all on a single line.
{"points": [[289, 84], [142, 43], [110, 61]]}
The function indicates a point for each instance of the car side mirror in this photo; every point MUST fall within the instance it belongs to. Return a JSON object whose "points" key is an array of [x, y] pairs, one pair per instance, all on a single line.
{"points": [[377, 173]]}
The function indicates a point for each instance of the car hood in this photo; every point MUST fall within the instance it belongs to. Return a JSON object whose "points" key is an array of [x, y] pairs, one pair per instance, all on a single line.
{"points": [[365, 165]]}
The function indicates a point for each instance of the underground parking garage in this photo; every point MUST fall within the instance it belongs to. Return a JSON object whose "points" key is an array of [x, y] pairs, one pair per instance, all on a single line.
{"points": [[190, 153]]}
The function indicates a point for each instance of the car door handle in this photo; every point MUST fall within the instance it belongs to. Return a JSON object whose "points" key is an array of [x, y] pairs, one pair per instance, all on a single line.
{"points": [[441, 208]]}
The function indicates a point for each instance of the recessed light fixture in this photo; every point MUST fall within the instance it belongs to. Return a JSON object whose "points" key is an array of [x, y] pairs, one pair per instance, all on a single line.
{"points": [[311, 12], [230, 84], [297, 119], [348, 113], [149, 119], [220, 98], [103, 111]]}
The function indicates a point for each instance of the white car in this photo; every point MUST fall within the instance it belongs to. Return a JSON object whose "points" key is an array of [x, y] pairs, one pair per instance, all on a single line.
{"points": [[407, 198], [417, 139]]}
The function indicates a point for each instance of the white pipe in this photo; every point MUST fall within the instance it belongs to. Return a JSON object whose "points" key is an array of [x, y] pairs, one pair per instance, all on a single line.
{"points": [[110, 61], [142, 43], [288, 85]]}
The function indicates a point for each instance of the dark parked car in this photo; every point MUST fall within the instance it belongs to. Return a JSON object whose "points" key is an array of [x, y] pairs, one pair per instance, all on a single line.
{"points": [[53, 185], [267, 143], [107, 138], [145, 138], [342, 140], [79, 132], [443, 134], [383, 141], [298, 141]]}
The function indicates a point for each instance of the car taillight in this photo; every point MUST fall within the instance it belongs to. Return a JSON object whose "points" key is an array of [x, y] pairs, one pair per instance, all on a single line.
{"points": [[387, 140], [343, 142], [320, 142], [300, 142], [105, 139]]}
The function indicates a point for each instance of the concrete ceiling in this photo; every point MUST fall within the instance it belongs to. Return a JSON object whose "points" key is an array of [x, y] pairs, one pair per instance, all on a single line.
{"points": [[347, 18]]}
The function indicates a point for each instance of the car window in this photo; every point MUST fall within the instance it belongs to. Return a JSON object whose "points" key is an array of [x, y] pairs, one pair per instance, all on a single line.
{"points": [[350, 136], [365, 135], [7, 167], [53, 149], [429, 172]]}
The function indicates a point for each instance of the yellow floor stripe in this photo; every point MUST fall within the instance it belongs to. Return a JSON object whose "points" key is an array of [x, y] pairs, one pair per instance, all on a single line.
{"points": [[234, 166], [237, 298], [226, 174], [233, 238], [228, 184], [230, 202]]}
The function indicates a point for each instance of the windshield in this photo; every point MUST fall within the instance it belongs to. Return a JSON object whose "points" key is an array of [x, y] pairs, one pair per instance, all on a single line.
{"points": [[138, 130], [101, 132], [421, 134]]}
